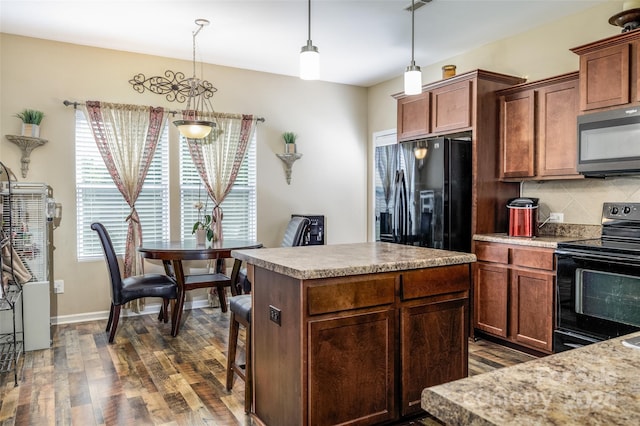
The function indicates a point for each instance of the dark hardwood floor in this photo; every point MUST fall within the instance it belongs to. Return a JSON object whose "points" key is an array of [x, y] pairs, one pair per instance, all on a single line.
{"points": [[148, 377]]}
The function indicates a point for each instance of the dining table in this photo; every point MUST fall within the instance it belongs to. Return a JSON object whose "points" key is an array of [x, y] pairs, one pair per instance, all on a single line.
{"points": [[174, 253]]}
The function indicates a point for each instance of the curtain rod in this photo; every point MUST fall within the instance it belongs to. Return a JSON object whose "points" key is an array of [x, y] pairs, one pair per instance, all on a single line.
{"points": [[75, 106]]}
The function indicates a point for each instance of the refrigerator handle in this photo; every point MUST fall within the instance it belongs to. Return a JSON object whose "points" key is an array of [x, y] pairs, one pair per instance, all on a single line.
{"points": [[401, 206]]}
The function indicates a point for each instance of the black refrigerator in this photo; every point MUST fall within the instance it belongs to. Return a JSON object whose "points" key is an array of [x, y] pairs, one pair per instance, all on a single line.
{"points": [[423, 193]]}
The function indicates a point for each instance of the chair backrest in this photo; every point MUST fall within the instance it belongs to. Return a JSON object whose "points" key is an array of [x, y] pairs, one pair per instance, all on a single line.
{"points": [[112, 261], [294, 234]]}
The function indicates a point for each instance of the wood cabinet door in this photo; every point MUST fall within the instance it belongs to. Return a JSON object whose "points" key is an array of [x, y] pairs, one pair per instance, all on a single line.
{"points": [[557, 133], [413, 116], [451, 107], [532, 301], [351, 369], [517, 135], [433, 347], [490, 286], [604, 77]]}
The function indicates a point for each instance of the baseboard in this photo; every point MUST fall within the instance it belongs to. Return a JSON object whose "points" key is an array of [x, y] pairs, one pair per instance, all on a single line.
{"points": [[154, 308]]}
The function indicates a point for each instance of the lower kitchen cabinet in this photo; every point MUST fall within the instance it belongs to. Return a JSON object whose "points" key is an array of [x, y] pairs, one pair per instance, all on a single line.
{"points": [[514, 293], [356, 350]]}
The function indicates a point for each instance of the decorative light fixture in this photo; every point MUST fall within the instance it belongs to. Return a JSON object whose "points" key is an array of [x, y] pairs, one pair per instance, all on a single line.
{"points": [[199, 111], [420, 150], [412, 75], [309, 57]]}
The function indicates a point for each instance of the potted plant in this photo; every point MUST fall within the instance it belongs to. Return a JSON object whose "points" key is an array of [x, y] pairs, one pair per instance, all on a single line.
{"points": [[202, 227], [31, 120], [289, 142]]}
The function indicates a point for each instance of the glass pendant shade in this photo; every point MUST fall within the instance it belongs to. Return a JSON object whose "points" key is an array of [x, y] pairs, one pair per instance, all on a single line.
{"points": [[194, 129], [413, 80], [309, 62], [420, 152]]}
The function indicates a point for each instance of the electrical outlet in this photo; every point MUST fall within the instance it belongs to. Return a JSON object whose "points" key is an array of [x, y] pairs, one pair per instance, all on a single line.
{"points": [[58, 286], [274, 314], [556, 217]]}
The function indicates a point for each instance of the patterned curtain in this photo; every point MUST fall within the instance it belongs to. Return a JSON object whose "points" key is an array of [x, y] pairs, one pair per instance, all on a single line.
{"points": [[127, 137], [219, 156]]}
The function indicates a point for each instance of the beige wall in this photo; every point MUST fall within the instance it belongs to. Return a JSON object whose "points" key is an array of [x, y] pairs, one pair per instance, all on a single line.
{"points": [[330, 120], [536, 54], [334, 123]]}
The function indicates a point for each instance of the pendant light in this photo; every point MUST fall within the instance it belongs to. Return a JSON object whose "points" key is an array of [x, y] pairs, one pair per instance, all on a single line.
{"points": [[309, 56], [199, 111], [412, 75]]}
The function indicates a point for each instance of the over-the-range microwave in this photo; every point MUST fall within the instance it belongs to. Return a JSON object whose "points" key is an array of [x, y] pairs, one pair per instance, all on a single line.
{"points": [[609, 142]]}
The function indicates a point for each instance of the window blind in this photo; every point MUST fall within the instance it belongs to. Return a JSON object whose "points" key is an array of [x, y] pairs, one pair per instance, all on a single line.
{"points": [[98, 199], [239, 207]]}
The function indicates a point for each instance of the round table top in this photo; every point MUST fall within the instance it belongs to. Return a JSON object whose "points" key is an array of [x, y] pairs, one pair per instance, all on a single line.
{"points": [[189, 250]]}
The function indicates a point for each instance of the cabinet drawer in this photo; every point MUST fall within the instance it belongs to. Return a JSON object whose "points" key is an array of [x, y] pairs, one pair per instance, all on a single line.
{"points": [[433, 281], [355, 293], [532, 258], [490, 252]]}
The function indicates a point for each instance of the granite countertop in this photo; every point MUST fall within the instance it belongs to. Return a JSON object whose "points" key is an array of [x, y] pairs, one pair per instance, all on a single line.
{"points": [[596, 385], [549, 235], [547, 241], [339, 260]]}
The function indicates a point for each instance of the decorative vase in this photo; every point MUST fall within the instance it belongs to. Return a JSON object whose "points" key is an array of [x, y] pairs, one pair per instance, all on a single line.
{"points": [[201, 237], [31, 130], [289, 148]]}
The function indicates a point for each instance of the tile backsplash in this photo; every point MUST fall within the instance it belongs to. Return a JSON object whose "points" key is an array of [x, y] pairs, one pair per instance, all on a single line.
{"points": [[581, 200]]}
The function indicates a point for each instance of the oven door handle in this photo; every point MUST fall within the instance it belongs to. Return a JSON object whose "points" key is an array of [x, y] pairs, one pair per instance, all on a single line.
{"points": [[597, 258]]}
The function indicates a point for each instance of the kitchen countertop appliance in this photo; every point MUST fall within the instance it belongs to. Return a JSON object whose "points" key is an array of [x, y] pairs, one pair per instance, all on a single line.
{"points": [[523, 217], [598, 281]]}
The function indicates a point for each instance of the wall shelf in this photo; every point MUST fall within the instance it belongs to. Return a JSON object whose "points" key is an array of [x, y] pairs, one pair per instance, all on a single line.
{"points": [[288, 160], [26, 145]]}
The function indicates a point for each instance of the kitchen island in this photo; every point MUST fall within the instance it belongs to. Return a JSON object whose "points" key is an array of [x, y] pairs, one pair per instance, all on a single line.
{"points": [[352, 333], [593, 385]]}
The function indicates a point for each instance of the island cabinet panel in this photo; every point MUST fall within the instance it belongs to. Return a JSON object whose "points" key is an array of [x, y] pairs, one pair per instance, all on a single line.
{"points": [[351, 374], [451, 107], [413, 117], [358, 349], [436, 351], [514, 300]]}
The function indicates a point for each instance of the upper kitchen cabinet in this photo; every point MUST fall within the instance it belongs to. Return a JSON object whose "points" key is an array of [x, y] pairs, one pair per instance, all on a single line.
{"points": [[538, 137], [451, 107], [413, 116], [466, 104], [609, 72]]}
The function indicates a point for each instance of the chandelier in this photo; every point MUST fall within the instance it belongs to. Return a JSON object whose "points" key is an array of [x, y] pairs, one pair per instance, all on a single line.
{"points": [[196, 122]]}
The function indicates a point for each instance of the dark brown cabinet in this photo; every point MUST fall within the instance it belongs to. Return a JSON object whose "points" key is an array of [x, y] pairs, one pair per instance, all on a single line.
{"points": [[609, 72], [357, 349], [451, 107], [514, 293], [538, 137], [413, 117]]}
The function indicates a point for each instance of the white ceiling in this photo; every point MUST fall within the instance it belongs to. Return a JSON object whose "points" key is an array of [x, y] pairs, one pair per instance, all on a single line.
{"points": [[361, 42]]}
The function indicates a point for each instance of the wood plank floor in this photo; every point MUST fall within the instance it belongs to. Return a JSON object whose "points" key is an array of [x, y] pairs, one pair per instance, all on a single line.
{"points": [[148, 377]]}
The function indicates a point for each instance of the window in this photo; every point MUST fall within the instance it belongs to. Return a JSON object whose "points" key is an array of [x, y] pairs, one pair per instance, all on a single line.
{"points": [[239, 207], [99, 200]]}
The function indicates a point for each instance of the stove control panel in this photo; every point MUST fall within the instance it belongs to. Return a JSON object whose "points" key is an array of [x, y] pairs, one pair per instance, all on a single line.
{"points": [[621, 211]]}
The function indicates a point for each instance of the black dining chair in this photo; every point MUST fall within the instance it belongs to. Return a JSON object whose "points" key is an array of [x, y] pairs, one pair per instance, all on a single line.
{"points": [[124, 290], [240, 307]]}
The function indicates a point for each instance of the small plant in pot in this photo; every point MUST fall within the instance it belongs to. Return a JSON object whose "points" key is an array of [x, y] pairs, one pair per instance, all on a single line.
{"points": [[289, 142], [31, 120]]}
